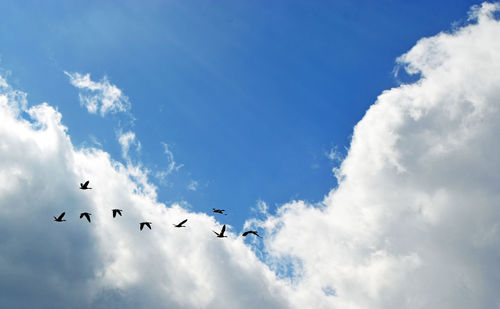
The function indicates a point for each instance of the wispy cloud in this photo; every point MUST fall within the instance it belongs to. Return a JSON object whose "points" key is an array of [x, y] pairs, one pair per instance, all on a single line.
{"points": [[334, 155], [95, 141], [171, 164], [261, 207], [100, 96], [126, 140], [103, 97], [193, 185]]}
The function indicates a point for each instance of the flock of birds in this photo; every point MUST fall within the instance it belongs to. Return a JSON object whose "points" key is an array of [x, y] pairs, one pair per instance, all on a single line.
{"points": [[85, 186]]}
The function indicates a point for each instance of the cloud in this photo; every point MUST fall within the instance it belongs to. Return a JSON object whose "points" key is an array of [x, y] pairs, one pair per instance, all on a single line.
{"points": [[261, 208], [126, 139], [334, 155], [413, 222], [108, 263], [193, 185], [102, 96], [171, 165]]}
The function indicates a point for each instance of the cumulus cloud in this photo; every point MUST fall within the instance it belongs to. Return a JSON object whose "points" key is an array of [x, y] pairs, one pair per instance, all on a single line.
{"points": [[413, 222], [101, 96], [108, 263]]}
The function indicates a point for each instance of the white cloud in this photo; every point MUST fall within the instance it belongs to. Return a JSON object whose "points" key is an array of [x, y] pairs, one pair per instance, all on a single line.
{"points": [[171, 165], [413, 222], [3, 82], [101, 96], [126, 140], [108, 263], [260, 208], [193, 185], [95, 141], [334, 155]]}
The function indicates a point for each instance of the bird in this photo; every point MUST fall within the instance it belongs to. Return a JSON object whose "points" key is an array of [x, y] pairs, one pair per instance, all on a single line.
{"points": [[181, 224], [86, 215], [60, 218], [85, 186], [148, 224], [117, 211], [251, 232], [221, 234], [219, 211]]}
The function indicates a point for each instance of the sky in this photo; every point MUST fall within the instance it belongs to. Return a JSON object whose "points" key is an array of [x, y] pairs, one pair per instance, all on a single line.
{"points": [[359, 139], [250, 97]]}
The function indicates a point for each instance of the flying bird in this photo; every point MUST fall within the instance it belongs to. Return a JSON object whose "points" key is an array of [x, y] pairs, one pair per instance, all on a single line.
{"points": [[86, 215], [60, 218], [148, 224], [180, 224], [117, 211], [221, 234], [85, 186], [219, 211], [251, 232]]}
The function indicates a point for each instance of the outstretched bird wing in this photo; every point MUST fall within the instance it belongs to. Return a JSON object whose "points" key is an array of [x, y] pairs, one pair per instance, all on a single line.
{"points": [[61, 216], [245, 234], [183, 222], [142, 225], [87, 216], [86, 184], [223, 230], [116, 211]]}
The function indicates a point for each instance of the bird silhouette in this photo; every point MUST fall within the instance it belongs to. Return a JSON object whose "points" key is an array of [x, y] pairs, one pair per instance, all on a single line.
{"points": [[148, 224], [85, 186], [219, 211], [180, 224], [221, 234], [251, 232], [117, 211], [60, 218], [86, 215]]}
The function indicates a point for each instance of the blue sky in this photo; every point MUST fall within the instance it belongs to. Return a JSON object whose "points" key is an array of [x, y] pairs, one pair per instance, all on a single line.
{"points": [[171, 108], [250, 96]]}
